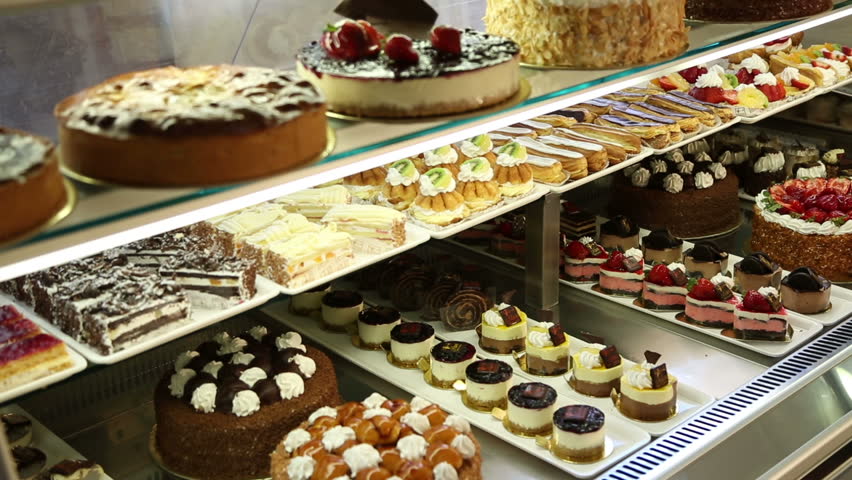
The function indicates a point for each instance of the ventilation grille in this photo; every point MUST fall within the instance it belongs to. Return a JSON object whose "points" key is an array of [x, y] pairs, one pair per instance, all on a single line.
{"points": [[732, 408]]}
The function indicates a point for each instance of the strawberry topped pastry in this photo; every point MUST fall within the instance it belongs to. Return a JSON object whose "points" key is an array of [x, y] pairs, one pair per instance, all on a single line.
{"points": [[665, 287], [807, 221], [622, 274], [716, 86], [769, 85], [794, 82], [710, 303], [761, 316], [750, 68], [364, 73], [583, 259]]}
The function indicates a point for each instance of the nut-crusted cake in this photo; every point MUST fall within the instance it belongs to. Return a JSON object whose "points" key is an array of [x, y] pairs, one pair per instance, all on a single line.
{"points": [[379, 439], [226, 404], [597, 34], [30, 184], [192, 126], [455, 71]]}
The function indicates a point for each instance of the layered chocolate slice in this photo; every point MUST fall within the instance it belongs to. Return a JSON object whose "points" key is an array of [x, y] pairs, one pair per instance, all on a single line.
{"points": [[210, 281]]}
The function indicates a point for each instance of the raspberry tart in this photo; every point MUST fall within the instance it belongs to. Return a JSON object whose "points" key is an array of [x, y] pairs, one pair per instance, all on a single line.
{"points": [[665, 287], [807, 221], [622, 274], [583, 259], [454, 71], [710, 303], [379, 439], [806, 291], [761, 316]]}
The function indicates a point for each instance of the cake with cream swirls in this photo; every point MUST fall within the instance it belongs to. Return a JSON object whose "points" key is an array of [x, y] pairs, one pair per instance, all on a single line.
{"points": [[807, 223], [594, 34], [379, 439], [202, 125], [693, 195], [226, 404]]}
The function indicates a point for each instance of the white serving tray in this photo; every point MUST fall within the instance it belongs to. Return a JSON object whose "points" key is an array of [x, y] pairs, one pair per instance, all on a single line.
{"points": [[78, 364], [507, 206], [414, 236], [625, 438], [704, 132], [199, 318], [817, 91], [46, 441], [572, 184]]}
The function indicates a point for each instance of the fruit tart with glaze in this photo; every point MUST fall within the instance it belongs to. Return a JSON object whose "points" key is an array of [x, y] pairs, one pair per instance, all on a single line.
{"points": [[439, 202], [477, 185]]}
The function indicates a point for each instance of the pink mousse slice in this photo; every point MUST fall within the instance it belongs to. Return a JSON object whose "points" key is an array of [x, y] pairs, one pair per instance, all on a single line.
{"points": [[764, 322], [582, 271], [626, 282], [664, 296]]}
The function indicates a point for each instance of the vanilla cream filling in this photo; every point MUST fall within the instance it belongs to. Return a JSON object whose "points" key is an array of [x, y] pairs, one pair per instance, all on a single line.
{"points": [[447, 372], [579, 441], [376, 334], [411, 352], [528, 418], [488, 392], [337, 316], [515, 189]]}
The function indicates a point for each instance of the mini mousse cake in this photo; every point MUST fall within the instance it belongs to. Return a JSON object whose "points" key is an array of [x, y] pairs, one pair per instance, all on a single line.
{"points": [[504, 329], [648, 392], [310, 301], [660, 246], [530, 411], [761, 316], [597, 370], [805, 291], [755, 271], [619, 233], [375, 325], [410, 342], [583, 259], [710, 303], [449, 362], [665, 287], [340, 309], [18, 428], [487, 384], [547, 349], [705, 259], [578, 433], [622, 273]]}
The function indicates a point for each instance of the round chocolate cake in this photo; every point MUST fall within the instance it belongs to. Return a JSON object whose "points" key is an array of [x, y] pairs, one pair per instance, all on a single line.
{"points": [[691, 195], [753, 11], [223, 408]]}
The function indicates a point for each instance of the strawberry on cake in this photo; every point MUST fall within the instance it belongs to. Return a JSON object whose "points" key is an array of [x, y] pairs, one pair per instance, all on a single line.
{"points": [[583, 259], [710, 303], [622, 273], [761, 316], [665, 287]]}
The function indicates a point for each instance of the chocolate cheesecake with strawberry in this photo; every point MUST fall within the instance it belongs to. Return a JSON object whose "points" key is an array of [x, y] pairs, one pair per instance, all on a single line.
{"points": [[761, 316], [711, 302], [363, 73], [665, 287], [583, 259]]}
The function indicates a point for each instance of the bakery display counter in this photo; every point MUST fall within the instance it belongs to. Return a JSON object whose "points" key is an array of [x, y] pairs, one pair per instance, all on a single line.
{"points": [[110, 216]]}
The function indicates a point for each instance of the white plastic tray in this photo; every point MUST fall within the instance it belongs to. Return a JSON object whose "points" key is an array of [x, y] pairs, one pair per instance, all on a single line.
{"points": [[414, 236], [46, 441], [749, 119], [78, 364], [625, 438], [199, 318], [507, 206], [704, 132], [572, 184]]}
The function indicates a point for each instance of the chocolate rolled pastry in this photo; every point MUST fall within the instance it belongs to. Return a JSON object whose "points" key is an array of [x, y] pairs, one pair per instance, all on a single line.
{"points": [[393, 269], [464, 309], [408, 292], [437, 297]]}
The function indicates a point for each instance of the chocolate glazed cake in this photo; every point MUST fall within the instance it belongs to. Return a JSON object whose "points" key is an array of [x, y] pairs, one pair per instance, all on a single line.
{"points": [[754, 10], [225, 405]]}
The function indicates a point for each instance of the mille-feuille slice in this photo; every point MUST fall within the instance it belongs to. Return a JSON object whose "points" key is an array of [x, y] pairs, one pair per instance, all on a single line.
{"points": [[724, 112], [688, 123], [655, 135], [668, 101], [675, 134], [631, 143], [596, 154], [615, 152]]}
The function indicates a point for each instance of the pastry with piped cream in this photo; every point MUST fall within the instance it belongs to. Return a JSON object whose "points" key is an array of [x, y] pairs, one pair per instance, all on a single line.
{"points": [[476, 183], [401, 185], [596, 370], [761, 316], [504, 329], [622, 273], [648, 391], [439, 202], [547, 350], [711, 302], [511, 171]]}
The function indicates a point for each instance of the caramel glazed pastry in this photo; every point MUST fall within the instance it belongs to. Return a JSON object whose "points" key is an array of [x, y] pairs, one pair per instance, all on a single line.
{"points": [[185, 126], [379, 439]]}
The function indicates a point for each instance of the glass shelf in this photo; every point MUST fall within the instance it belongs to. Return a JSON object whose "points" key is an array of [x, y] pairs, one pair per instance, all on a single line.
{"points": [[51, 52]]}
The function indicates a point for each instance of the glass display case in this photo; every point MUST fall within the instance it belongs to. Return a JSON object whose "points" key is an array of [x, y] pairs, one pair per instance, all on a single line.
{"points": [[744, 408]]}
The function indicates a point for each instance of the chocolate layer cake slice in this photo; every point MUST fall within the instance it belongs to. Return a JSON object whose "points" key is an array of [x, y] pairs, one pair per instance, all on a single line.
{"points": [[209, 281], [157, 250]]}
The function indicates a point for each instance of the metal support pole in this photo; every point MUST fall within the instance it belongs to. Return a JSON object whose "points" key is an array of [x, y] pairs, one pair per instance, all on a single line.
{"points": [[542, 258]]}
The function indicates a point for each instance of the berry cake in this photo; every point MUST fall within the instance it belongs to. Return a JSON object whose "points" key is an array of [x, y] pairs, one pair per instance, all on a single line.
{"points": [[761, 316], [583, 259], [622, 274], [710, 303], [665, 287], [454, 71], [379, 439], [807, 221]]}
